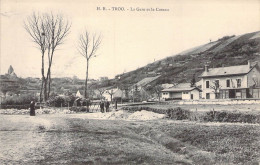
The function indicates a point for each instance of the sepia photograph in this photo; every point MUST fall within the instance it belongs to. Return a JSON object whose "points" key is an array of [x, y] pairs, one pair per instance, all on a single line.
{"points": [[114, 82]]}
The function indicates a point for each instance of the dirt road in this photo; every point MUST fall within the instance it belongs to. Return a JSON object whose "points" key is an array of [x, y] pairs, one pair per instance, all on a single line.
{"points": [[73, 139]]}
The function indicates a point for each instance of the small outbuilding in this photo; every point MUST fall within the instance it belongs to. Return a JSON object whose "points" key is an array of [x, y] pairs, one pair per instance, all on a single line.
{"points": [[181, 92]]}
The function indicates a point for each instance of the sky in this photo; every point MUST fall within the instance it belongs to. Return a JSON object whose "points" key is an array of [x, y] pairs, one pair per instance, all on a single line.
{"points": [[130, 39]]}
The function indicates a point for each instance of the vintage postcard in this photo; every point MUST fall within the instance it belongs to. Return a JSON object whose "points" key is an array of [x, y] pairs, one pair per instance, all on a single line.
{"points": [[129, 82]]}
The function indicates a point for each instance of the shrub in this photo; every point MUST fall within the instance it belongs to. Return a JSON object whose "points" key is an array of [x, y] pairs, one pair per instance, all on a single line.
{"points": [[19, 100], [211, 116], [178, 113], [25, 106], [58, 101], [226, 116], [78, 109]]}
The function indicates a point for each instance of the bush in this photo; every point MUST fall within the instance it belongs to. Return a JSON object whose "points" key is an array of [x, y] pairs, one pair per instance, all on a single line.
{"points": [[178, 113], [19, 100], [25, 106], [58, 101], [78, 109], [226, 116], [211, 116]]}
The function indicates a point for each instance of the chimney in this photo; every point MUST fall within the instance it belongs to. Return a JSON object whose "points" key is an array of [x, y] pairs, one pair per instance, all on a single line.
{"points": [[249, 64], [206, 68]]}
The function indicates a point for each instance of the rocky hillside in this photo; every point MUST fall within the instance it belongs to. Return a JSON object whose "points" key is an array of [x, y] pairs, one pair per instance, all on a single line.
{"points": [[228, 51]]}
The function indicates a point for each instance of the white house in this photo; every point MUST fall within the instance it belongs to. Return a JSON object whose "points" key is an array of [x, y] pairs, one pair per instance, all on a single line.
{"points": [[78, 94], [240, 81], [181, 91]]}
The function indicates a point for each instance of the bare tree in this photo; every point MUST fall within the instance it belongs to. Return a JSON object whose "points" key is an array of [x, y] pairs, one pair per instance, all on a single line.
{"points": [[101, 92], [87, 47], [193, 81], [157, 90], [36, 27], [47, 31], [216, 87], [111, 93], [256, 81]]}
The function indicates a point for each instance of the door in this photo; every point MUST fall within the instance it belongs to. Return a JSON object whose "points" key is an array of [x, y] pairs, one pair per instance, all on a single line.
{"points": [[207, 96]]}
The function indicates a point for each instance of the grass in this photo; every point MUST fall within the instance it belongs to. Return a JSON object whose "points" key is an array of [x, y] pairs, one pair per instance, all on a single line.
{"points": [[232, 144], [61, 139], [204, 107], [181, 112]]}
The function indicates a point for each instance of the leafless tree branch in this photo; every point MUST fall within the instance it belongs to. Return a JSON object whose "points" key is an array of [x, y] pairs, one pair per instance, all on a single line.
{"points": [[87, 47], [48, 31]]}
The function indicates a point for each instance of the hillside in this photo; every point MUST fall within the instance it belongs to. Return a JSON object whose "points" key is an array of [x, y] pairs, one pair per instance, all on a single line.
{"points": [[228, 51]]}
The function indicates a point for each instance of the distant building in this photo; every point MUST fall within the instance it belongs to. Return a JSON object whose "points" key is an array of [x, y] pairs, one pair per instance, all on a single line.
{"points": [[140, 88], [9, 83], [11, 73], [238, 82], [166, 86], [78, 94], [144, 82], [181, 91], [103, 78]]}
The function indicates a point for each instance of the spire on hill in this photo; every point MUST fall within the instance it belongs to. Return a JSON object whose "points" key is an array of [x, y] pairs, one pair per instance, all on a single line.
{"points": [[10, 70], [11, 73]]}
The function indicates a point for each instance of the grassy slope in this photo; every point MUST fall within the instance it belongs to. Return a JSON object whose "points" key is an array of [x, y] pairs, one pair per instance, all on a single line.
{"points": [[191, 62]]}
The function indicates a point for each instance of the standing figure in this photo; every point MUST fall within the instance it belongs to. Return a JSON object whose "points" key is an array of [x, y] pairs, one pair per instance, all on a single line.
{"points": [[102, 106], [88, 104], [32, 108], [116, 104], [107, 106]]}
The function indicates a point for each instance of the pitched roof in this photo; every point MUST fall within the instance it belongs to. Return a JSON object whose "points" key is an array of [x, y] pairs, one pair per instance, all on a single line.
{"points": [[225, 71], [146, 81], [182, 85], [180, 88]]}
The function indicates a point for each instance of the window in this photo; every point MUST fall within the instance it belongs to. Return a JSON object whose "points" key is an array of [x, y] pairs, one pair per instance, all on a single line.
{"points": [[207, 96], [228, 83], [238, 83], [185, 92], [207, 84]]}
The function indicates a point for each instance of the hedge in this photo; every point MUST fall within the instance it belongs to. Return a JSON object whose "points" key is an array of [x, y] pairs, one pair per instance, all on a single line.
{"points": [[26, 106], [211, 116]]}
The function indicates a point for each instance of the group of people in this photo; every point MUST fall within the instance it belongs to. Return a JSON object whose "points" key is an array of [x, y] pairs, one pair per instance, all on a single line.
{"points": [[104, 104]]}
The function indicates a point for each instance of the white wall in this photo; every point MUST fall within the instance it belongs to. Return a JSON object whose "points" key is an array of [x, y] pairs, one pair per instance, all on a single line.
{"points": [[165, 95], [185, 96], [253, 74], [176, 95], [195, 92], [222, 83]]}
